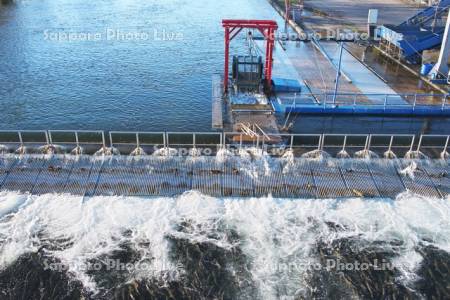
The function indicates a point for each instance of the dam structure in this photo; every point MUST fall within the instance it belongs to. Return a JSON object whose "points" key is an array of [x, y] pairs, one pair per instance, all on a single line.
{"points": [[93, 163]]}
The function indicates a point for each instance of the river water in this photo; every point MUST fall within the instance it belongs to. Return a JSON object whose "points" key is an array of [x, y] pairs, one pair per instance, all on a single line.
{"points": [[198, 247], [161, 81]]}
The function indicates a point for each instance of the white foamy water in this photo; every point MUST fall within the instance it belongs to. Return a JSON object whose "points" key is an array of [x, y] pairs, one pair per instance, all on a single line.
{"points": [[277, 236]]}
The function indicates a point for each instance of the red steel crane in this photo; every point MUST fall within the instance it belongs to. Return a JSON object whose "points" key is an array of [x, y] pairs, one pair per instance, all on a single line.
{"points": [[267, 29]]}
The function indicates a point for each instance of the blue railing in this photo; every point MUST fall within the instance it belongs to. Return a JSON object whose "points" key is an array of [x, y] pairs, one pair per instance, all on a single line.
{"points": [[379, 104]]}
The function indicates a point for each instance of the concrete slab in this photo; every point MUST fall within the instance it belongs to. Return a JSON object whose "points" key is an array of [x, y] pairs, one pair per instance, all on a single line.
{"points": [[315, 70], [362, 78]]}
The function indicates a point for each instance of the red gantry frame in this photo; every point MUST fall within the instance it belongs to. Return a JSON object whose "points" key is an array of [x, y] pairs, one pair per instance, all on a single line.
{"points": [[267, 28]]}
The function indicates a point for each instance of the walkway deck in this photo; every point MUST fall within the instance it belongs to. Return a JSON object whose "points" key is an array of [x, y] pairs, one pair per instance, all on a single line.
{"points": [[319, 74], [159, 176]]}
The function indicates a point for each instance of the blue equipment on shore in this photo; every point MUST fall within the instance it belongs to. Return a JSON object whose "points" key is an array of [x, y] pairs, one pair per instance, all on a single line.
{"points": [[421, 32]]}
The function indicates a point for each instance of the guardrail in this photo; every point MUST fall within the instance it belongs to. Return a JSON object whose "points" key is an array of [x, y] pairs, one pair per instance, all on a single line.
{"points": [[339, 145], [353, 102]]}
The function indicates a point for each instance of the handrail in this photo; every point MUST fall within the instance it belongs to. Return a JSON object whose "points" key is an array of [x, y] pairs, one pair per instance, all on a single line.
{"points": [[137, 138], [353, 100], [76, 134], [20, 138], [298, 141]]}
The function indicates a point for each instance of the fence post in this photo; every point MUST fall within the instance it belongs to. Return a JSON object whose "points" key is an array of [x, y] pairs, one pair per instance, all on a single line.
{"points": [[77, 141], [415, 102], [321, 142], [420, 144], [220, 140], [344, 146], [194, 142], [391, 143], [292, 141], [446, 143], [444, 101], [368, 142], [20, 137], [111, 143], [385, 101], [412, 144], [165, 139], [138, 144], [50, 138]]}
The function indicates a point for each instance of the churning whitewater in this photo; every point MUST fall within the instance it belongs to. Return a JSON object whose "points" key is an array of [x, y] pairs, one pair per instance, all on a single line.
{"points": [[199, 247]]}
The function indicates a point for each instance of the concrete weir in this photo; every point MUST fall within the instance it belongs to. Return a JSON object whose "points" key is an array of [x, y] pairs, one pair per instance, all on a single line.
{"points": [[93, 163], [223, 176]]}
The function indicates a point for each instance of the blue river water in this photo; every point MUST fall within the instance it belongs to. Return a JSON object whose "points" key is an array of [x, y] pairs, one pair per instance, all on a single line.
{"points": [[71, 64], [98, 77]]}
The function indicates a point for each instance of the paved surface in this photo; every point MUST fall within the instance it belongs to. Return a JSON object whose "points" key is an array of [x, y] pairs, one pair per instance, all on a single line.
{"points": [[316, 71], [362, 78], [352, 14], [319, 74]]}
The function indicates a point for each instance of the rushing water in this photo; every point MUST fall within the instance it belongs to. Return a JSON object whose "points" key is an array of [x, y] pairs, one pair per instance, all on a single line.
{"points": [[162, 82], [198, 247]]}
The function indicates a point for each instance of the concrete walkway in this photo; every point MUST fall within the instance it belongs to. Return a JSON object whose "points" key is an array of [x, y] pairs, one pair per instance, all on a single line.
{"points": [[362, 78]]}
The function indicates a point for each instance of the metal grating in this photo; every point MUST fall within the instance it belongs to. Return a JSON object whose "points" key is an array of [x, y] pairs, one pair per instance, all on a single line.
{"points": [[328, 179], [299, 180], [23, 175], [77, 181], [236, 180], [94, 175], [53, 176], [439, 174], [420, 184], [386, 178], [358, 178], [270, 181], [6, 164], [234, 177], [207, 176]]}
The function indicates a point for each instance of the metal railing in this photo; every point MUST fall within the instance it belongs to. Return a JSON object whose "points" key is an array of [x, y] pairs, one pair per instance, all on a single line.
{"points": [[66, 140], [76, 138], [384, 101], [24, 137]]}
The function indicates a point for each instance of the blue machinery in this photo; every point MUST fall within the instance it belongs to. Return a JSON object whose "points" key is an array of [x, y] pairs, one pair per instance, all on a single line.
{"points": [[420, 32]]}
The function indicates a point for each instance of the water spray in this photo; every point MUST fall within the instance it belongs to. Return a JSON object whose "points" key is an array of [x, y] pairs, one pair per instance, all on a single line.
{"points": [[415, 155], [366, 154], [138, 152], [105, 151], [77, 151]]}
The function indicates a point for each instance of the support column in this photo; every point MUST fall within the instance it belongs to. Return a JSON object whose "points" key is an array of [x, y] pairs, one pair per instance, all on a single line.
{"points": [[440, 70], [227, 59], [269, 57], [266, 67]]}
